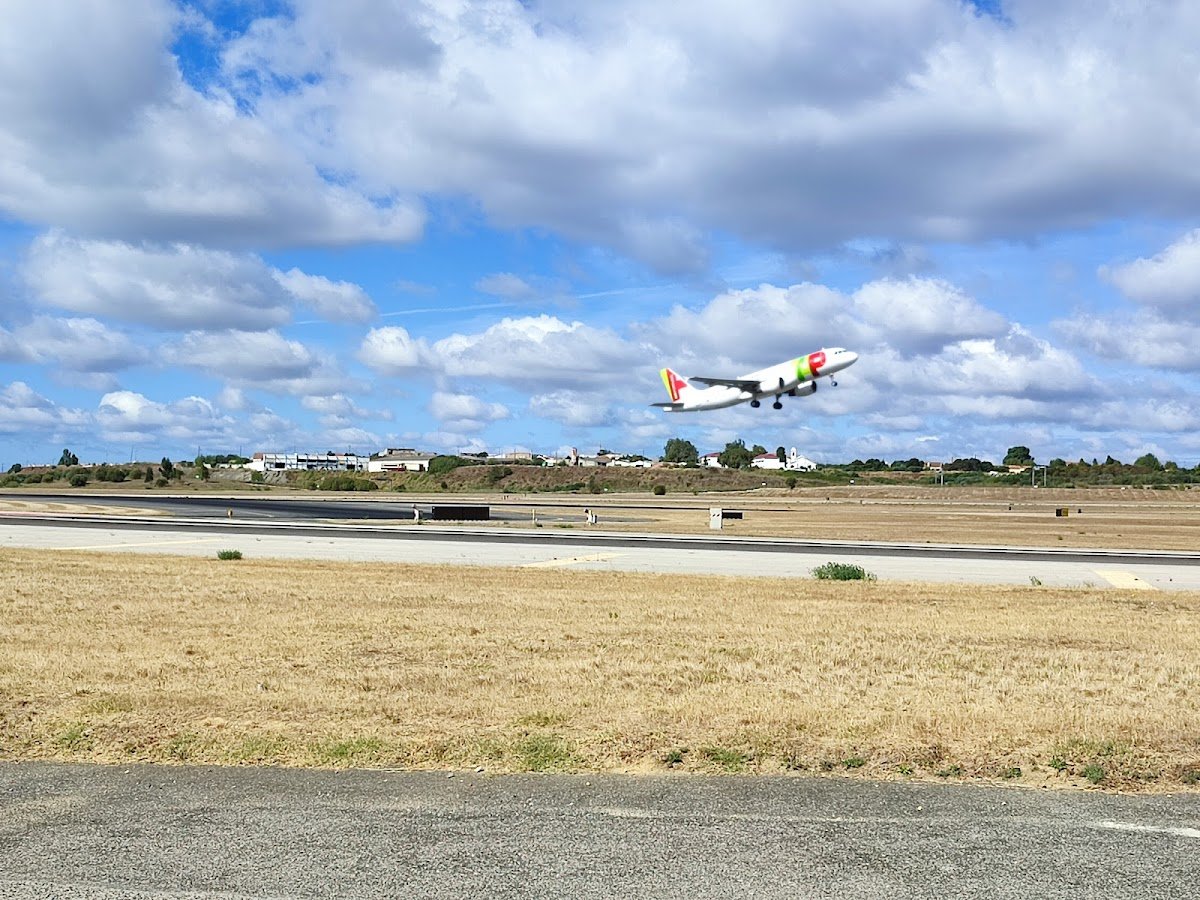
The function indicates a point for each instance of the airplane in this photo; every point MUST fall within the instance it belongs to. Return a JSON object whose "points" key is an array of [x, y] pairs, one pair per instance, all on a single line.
{"points": [[796, 378]]}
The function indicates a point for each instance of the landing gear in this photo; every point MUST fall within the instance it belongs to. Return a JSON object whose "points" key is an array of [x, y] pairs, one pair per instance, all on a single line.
{"points": [[755, 404], [832, 383], [777, 405]]}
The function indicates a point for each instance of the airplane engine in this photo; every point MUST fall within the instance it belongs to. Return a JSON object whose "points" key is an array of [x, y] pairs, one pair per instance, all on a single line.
{"points": [[803, 390]]}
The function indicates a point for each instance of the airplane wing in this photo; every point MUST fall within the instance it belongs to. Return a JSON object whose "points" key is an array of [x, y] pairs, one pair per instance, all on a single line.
{"points": [[668, 405], [751, 386]]}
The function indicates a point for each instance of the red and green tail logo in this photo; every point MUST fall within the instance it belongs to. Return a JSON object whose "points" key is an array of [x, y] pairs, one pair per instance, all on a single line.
{"points": [[674, 384]]}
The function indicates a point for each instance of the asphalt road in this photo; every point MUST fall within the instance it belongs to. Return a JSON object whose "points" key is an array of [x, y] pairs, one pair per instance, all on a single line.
{"points": [[553, 547], [153, 832]]}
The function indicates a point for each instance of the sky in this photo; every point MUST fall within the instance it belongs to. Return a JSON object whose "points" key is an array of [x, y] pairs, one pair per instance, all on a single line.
{"points": [[457, 226]]}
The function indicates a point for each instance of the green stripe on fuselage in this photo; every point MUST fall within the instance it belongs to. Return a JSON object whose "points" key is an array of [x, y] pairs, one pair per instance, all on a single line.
{"points": [[803, 370]]}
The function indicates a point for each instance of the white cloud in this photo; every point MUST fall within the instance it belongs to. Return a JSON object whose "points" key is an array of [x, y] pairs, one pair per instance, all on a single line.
{"points": [[80, 345], [100, 134], [176, 287], [128, 417], [1168, 281], [505, 284], [337, 406], [922, 315], [536, 352], [25, 412], [243, 355], [574, 409], [465, 412], [1143, 340], [334, 301], [645, 127], [181, 286], [393, 351]]}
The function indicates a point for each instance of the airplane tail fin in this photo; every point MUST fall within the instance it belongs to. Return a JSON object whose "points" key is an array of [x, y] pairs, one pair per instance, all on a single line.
{"points": [[675, 384]]}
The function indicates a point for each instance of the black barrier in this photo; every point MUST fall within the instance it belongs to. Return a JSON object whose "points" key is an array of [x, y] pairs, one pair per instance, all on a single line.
{"points": [[460, 513], [732, 514]]}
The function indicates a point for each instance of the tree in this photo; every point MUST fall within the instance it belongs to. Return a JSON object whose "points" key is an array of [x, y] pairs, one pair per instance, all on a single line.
{"points": [[781, 454], [149, 476], [758, 450], [1149, 461], [14, 468], [735, 455], [168, 467], [678, 450], [1018, 456], [68, 458]]}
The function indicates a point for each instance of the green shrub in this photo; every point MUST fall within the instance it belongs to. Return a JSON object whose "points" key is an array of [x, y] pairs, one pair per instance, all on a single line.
{"points": [[440, 465], [345, 482], [161, 482], [834, 571], [229, 554], [78, 479], [659, 490]]}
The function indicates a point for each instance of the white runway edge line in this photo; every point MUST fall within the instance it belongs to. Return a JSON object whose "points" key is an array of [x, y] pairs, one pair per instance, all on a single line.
{"points": [[1155, 829]]}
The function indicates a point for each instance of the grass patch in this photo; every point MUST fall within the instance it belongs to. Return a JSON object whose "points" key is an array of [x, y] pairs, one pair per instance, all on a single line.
{"points": [[229, 554], [75, 738], [261, 748], [854, 762], [542, 719], [674, 757], [542, 752], [728, 759], [835, 571], [359, 751], [1093, 772], [184, 747]]}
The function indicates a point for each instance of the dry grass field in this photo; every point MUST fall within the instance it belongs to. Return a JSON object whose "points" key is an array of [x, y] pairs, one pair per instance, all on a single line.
{"points": [[1029, 522], [122, 658], [1109, 518], [1112, 517]]}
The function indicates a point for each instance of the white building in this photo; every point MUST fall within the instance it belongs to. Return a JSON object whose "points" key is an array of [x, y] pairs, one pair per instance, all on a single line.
{"points": [[711, 460], [307, 462], [793, 462], [400, 459]]}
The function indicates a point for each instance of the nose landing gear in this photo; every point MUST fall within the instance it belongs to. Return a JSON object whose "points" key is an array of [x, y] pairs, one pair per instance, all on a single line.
{"points": [[755, 404]]}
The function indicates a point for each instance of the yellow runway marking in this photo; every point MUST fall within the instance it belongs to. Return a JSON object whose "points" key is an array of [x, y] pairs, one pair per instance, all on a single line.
{"points": [[150, 544], [1125, 580], [570, 561]]}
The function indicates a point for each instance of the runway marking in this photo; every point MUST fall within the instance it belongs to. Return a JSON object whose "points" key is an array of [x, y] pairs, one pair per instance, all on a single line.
{"points": [[1155, 829], [570, 561], [212, 540], [1125, 580]]}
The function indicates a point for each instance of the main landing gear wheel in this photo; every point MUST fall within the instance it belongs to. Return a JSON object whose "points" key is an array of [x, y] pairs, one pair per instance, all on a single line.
{"points": [[777, 405], [755, 404]]}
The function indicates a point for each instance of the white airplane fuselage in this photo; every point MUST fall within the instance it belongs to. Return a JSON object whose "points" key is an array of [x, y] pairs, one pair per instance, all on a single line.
{"points": [[795, 377]]}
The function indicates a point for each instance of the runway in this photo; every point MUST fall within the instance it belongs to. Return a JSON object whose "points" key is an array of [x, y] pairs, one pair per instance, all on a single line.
{"points": [[142, 832], [608, 551]]}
